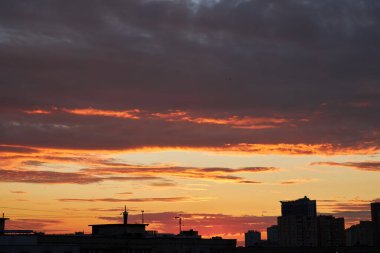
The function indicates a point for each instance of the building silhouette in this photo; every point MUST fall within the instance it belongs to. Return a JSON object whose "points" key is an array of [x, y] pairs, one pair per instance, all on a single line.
{"points": [[298, 223], [2, 224], [360, 234], [272, 235], [299, 230], [114, 238], [130, 230], [299, 207], [252, 238], [330, 231], [375, 217], [299, 226]]}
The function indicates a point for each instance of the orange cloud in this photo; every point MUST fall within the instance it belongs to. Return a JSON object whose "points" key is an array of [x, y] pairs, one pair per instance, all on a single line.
{"points": [[127, 114], [243, 122], [276, 134], [98, 168], [37, 111]]}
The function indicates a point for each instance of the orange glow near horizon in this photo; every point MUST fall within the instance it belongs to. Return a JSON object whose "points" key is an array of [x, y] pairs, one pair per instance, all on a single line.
{"points": [[241, 148], [221, 190]]}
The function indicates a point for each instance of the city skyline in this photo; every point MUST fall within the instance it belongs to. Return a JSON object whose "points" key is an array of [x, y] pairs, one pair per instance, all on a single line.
{"points": [[318, 230], [212, 109], [299, 228]]}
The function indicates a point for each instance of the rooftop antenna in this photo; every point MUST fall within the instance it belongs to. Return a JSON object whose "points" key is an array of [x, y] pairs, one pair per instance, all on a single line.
{"points": [[179, 223], [2, 224], [142, 216], [125, 216]]}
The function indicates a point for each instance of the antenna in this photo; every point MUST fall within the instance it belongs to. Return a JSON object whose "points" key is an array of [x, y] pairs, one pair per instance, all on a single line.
{"points": [[142, 216], [2, 224], [179, 223], [125, 215]]}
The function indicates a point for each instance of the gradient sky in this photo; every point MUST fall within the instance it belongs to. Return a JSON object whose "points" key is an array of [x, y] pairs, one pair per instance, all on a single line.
{"points": [[213, 109]]}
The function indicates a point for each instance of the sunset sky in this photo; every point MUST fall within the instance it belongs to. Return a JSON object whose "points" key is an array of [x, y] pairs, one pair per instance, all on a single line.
{"points": [[212, 109]]}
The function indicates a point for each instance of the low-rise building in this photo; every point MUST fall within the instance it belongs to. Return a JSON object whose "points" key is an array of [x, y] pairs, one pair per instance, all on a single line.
{"points": [[115, 238], [330, 231], [360, 234], [252, 238], [272, 235]]}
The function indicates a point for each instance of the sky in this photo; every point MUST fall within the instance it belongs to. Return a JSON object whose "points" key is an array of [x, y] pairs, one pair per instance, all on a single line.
{"points": [[214, 110]]}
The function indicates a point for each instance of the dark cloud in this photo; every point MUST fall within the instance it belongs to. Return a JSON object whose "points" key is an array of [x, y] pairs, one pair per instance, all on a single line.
{"points": [[53, 177], [314, 63], [137, 178], [15, 149], [21, 168], [164, 184], [125, 193], [18, 192], [365, 166], [298, 181], [351, 217], [33, 224], [108, 209], [353, 210], [46, 177], [21, 200], [168, 199], [247, 169], [33, 163], [223, 174], [327, 200]]}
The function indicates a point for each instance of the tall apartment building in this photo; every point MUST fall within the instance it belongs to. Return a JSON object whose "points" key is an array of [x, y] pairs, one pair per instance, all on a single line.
{"points": [[298, 223], [375, 215], [299, 207]]}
